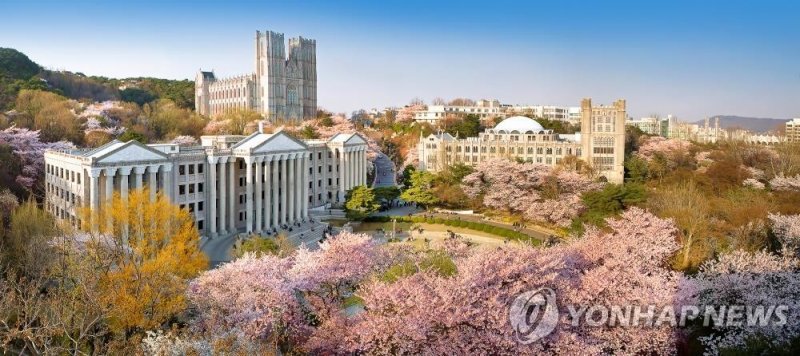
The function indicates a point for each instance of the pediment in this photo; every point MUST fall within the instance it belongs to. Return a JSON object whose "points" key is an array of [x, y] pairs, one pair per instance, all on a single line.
{"points": [[131, 152], [278, 142], [355, 139]]}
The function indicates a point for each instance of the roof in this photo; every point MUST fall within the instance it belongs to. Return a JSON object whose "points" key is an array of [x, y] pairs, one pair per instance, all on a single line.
{"points": [[520, 124]]}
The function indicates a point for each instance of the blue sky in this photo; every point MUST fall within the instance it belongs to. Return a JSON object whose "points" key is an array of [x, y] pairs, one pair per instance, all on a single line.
{"points": [[688, 58]]}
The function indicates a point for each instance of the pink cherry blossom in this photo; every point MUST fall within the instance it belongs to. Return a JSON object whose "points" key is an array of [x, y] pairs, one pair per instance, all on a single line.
{"points": [[29, 149], [540, 192]]}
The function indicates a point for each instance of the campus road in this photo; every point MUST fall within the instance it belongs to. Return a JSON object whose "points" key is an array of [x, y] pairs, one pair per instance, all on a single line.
{"points": [[384, 172]]}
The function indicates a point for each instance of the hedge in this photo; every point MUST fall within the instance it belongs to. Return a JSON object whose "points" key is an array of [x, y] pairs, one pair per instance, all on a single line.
{"points": [[473, 225]]}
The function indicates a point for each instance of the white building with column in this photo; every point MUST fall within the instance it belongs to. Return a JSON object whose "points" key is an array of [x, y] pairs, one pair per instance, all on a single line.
{"points": [[252, 184]]}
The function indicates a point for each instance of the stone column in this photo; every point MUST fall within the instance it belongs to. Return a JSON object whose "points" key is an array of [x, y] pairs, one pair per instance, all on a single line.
{"points": [[267, 192], [138, 176], [248, 199], [259, 193], [123, 182], [212, 195], [306, 180], [94, 197], [292, 190], [284, 178], [300, 188], [364, 166], [341, 184], [110, 173], [274, 188], [233, 197], [153, 182], [223, 195], [167, 181]]}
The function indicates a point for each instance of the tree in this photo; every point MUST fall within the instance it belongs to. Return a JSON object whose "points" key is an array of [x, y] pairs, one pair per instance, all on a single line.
{"points": [[419, 189], [537, 191], [467, 312], [386, 193], [26, 157], [281, 300], [151, 250], [468, 126], [26, 246], [690, 210], [360, 202], [308, 132], [52, 115], [406, 175], [238, 120], [749, 279]]}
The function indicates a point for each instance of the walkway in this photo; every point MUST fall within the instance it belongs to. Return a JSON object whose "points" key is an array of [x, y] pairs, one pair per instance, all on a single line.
{"points": [[219, 249], [384, 172]]}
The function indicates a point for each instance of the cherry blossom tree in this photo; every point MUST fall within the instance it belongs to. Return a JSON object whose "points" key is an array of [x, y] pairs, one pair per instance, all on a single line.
{"points": [[278, 300], [184, 140], [657, 145], [29, 150], [427, 313], [749, 279], [538, 191], [783, 183], [787, 230], [406, 114]]}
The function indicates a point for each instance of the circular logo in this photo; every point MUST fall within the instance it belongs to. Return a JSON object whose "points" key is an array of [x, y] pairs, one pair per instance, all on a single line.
{"points": [[533, 315]]}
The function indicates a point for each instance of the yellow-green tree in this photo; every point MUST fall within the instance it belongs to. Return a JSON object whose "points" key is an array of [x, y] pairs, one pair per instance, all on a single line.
{"points": [[150, 251], [238, 120]]}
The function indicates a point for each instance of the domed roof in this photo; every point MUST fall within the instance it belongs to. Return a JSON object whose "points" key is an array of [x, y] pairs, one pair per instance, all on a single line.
{"points": [[519, 124]]}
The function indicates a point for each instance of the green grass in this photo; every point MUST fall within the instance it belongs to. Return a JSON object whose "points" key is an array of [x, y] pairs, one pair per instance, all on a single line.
{"points": [[472, 225]]}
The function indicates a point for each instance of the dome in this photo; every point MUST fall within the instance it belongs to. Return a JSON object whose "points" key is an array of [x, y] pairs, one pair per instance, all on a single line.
{"points": [[520, 124]]}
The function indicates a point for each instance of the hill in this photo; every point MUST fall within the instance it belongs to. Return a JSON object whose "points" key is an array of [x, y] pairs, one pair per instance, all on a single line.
{"points": [[18, 72], [16, 65], [748, 123]]}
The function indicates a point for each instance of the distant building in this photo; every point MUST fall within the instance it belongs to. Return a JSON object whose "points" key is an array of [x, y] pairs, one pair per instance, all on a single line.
{"points": [[282, 87], [651, 125], [549, 112], [600, 143], [483, 108], [793, 130]]}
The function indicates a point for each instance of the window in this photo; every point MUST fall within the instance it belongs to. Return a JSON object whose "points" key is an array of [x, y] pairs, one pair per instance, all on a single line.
{"points": [[191, 207], [319, 169], [241, 199], [319, 155], [240, 216], [329, 181], [191, 169], [199, 187], [330, 168], [200, 169], [200, 225], [200, 206], [182, 170], [319, 183], [310, 185], [310, 170], [191, 188], [181, 189], [241, 164], [241, 181]]}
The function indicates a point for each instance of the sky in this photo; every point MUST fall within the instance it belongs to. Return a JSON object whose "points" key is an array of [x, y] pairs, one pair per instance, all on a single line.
{"points": [[692, 59]]}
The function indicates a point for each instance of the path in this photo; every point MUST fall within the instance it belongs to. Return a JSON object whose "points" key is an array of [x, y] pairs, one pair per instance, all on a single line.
{"points": [[384, 172]]}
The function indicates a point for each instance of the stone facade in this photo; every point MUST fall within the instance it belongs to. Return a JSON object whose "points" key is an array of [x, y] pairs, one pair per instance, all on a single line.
{"points": [[601, 143], [793, 130], [283, 87], [230, 184]]}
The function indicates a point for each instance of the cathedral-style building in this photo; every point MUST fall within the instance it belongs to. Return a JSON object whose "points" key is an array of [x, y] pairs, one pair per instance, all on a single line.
{"points": [[601, 143], [282, 87]]}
